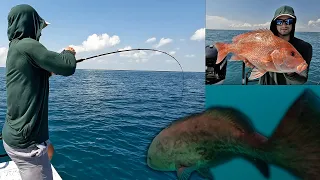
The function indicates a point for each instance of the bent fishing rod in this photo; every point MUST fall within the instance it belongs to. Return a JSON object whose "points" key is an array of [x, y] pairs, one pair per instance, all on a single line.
{"points": [[119, 51], [137, 49]]}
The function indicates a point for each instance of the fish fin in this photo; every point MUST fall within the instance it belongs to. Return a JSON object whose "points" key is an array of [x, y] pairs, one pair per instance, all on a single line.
{"points": [[256, 73], [260, 138], [235, 58], [223, 51], [205, 173], [244, 35], [255, 139], [237, 118], [260, 165], [297, 137], [275, 56], [184, 173]]}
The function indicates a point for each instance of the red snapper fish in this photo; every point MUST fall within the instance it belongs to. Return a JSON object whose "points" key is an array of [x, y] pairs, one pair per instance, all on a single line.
{"points": [[265, 51]]}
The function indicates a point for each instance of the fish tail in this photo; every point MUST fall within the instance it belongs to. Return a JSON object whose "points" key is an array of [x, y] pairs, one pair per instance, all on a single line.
{"points": [[223, 50], [295, 144]]}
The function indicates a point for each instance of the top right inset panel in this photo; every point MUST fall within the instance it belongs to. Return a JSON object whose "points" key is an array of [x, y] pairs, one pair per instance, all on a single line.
{"points": [[262, 43]]}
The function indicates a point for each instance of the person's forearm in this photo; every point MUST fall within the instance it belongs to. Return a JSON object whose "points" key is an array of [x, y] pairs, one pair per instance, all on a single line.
{"points": [[63, 63]]}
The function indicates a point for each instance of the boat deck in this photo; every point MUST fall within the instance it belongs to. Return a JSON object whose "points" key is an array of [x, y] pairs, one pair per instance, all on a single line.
{"points": [[9, 171]]}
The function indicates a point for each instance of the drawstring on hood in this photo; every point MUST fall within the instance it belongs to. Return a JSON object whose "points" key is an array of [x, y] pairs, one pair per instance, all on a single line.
{"points": [[283, 10], [24, 22]]}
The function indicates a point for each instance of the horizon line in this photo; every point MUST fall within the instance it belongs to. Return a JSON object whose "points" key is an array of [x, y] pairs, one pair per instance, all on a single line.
{"points": [[131, 70]]}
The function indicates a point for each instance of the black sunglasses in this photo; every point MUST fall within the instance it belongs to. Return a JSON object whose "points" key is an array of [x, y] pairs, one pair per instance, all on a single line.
{"points": [[287, 21]]}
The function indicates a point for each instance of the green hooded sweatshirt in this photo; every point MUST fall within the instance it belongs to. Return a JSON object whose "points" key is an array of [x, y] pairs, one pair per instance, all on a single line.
{"points": [[28, 68], [304, 48]]}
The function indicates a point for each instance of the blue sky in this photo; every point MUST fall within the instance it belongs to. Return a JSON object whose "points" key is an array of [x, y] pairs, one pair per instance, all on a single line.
{"points": [[253, 14], [125, 24]]}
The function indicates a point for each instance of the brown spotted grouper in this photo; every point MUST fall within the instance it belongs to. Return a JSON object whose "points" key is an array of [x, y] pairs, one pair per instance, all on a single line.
{"points": [[201, 141]]}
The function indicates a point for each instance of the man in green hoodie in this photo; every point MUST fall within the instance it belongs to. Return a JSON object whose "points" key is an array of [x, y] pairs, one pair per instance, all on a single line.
{"points": [[28, 68], [283, 26]]}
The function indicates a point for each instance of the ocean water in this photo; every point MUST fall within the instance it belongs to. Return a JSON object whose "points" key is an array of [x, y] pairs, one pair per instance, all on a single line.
{"points": [[101, 122], [265, 106], [234, 69]]}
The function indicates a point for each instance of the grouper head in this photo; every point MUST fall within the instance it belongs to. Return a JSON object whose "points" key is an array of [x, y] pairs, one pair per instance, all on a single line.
{"points": [[159, 155], [165, 155], [175, 147]]}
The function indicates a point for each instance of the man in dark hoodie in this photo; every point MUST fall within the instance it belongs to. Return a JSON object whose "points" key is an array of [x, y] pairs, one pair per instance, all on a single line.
{"points": [[283, 26], [28, 68]]}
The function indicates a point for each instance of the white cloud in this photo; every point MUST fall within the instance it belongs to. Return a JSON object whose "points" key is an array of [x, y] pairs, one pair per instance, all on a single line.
{"points": [[163, 41], [96, 42], [218, 22], [3, 56], [198, 35], [189, 55], [139, 56], [156, 53], [315, 23], [172, 52], [153, 39], [101, 60], [141, 60], [178, 48], [127, 53], [170, 61]]}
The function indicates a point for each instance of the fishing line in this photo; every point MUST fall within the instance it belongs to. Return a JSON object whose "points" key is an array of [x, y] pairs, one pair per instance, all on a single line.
{"points": [[119, 51], [138, 49]]}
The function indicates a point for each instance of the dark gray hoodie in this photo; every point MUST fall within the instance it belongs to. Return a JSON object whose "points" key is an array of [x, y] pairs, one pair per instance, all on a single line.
{"points": [[27, 78], [304, 48]]}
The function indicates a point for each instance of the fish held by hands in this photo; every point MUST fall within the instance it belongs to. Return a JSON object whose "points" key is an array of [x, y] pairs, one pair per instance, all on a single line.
{"points": [[264, 52]]}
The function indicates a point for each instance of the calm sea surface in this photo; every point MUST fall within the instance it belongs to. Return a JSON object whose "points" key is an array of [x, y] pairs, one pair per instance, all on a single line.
{"points": [[101, 122]]}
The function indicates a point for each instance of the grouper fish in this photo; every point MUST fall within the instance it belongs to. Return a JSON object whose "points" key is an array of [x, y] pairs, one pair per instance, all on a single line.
{"points": [[217, 135]]}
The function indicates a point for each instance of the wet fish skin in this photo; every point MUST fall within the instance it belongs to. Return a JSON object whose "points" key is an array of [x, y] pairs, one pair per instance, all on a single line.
{"points": [[208, 139], [265, 51], [205, 140]]}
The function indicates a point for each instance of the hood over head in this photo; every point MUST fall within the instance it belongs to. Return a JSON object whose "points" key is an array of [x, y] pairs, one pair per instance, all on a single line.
{"points": [[24, 22], [283, 10]]}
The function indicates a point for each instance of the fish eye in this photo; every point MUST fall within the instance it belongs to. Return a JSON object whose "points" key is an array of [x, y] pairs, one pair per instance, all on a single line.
{"points": [[292, 53]]}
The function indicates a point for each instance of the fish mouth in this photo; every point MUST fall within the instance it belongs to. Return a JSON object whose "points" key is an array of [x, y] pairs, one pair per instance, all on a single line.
{"points": [[149, 161], [152, 165], [302, 67], [158, 165]]}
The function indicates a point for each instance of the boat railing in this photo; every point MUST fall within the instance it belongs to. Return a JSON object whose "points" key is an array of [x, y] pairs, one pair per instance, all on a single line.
{"points": [[245, 75]]}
